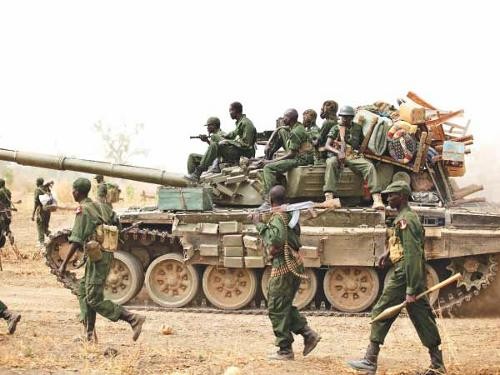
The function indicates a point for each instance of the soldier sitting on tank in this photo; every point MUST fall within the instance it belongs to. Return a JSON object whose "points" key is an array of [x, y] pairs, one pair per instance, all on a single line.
{"points": [[277, 140], [329, 115], [299, 151], [237, 143], [344, 141], [215, 135]]}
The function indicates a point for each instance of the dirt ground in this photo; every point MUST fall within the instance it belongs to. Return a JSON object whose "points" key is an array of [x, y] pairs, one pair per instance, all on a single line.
{"points": [[201, 343]]}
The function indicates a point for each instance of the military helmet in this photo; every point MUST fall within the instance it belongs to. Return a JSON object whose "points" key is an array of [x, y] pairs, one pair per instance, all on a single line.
{"points": [[398, 187], [213, 121], [82, 185], [346, 110], [39, 181]]}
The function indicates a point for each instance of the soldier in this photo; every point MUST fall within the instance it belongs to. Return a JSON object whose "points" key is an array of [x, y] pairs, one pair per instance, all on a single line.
{"points": [[406, 252], [102, 189], [299, 151], [11, 317], [344, 141], [89, 216], [309, 120], [215, 135], [329, 115], [42, 216], [5, 206], [277, 140], [239, 142], [283, 243]]}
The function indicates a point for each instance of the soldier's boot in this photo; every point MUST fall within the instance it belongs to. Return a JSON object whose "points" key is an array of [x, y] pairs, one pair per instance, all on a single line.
{"points": [[284, 354], [12, 319], [437, 364], [378, 204], [214, 168], [89, 328], [330, 202], [135, 320], [195, 176], [311, 339], [369, 362]]}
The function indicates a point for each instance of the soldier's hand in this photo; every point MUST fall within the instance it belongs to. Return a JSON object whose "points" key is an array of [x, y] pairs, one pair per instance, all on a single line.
{"points": [[411, 298], [383, 261], [204, 137], [255, 217]]}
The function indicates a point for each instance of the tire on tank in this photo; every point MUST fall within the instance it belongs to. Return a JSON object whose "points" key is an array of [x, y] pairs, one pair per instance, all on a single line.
{"points": [[170, 282], [125, 278]]}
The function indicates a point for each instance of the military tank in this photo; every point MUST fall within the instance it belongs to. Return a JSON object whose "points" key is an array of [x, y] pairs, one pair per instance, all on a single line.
{"points": [[196, 248]]}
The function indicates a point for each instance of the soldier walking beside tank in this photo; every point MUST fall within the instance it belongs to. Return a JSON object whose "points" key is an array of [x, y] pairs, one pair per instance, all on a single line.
{"points": [[42, 216], [84, 236], [5, 207], [344, 141], [283, 243], [102, 189], [299, 151], [215, 135], [406, 253], [237, 143]]}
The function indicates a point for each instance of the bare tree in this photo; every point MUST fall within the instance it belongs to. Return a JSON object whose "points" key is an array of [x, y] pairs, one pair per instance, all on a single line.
{"points": [[118, 145]]}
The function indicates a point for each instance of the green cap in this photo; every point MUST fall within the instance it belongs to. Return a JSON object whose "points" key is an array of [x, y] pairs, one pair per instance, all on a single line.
{"points": [[213, 121], [398, 187], [82, 185]]}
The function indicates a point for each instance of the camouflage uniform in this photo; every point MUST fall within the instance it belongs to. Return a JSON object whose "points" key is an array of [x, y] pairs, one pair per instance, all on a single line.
{"points": [[284, 284], [199, 160], [357, 163], [42, 216], [91, 291], [299, 142]]}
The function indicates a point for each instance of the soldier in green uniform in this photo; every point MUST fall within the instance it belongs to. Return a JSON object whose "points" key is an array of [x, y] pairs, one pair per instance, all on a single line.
{"points": [[11, 317], [5, 207], [406, 253], [277, 140], [237, 143], [102, 189], [344, 141], [299, 151], [42, 216], [215, 135], [287, 271], [309, 121], [90, 216], [329, 115]]}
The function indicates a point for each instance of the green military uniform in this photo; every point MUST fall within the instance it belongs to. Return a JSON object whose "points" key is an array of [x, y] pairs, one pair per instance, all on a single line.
{"points": [[3, 307], [90, 295], [202, 161], [322, 136], [102, 192], [5, 206], [285, 280], [279, 140], [408, 278], [42, 216], [300, 143], [358, 164]]}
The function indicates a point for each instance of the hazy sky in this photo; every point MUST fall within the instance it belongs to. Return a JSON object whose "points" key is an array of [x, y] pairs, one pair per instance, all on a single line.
{"points": [[65, 65]]}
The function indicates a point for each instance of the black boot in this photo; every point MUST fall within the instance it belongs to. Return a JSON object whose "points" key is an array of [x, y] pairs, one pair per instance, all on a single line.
{"points": [[369, 362], [90, 334], [311, 339], [214, 168], [135, 320], [437, 364], [284, 354], [195, 176], [12, 319]]}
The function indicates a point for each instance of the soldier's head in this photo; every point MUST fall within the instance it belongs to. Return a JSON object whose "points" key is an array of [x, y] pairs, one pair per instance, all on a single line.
{"points": [[235, 110], [329, 110], [309, 117], [81, 188], [397, 194], [99, 178], [277, 195], [346, 115], [39, 181], [213, 124], [2, 183], [290, 117]]}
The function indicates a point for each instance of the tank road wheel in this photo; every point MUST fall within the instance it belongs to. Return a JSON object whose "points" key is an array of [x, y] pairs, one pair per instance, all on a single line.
{"points": [[170, 282], [229, 288], [351, 289], [432, 279], [307, 289], [125, 278]]}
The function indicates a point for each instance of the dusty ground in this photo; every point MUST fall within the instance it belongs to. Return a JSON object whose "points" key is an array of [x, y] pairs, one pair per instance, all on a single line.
{"points": [[202, 343]]}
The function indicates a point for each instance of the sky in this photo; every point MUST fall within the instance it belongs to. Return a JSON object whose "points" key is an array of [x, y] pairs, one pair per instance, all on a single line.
{"points": [[66, 65]]}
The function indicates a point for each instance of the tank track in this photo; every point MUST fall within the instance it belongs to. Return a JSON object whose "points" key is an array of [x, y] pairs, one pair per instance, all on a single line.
{"points": [[447, 306]]}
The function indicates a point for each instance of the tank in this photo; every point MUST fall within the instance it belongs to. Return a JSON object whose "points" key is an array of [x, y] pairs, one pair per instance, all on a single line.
{"points": [[196, 248]]}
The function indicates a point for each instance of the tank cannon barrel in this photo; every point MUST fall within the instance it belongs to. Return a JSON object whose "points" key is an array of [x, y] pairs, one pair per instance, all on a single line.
{"points": [[129, 172]]}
